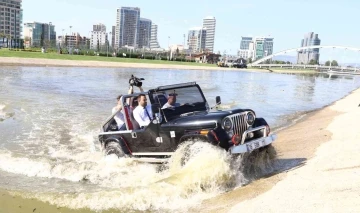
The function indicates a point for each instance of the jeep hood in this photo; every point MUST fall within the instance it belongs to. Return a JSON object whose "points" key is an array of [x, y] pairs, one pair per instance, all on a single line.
{"points": [[200, 119]]}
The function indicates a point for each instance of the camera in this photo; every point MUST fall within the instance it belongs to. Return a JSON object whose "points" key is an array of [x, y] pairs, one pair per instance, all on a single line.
{"points": [[134, 81]]}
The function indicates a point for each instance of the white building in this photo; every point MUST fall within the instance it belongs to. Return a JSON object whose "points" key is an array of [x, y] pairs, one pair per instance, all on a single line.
{"points": [[263, 46], [153, 37], [196, 39], [247, 53], [255, 48], [98, 36], [209, 23]]}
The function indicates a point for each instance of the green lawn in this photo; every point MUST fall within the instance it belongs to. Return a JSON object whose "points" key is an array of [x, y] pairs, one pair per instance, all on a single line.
{"points": [[23, 54]]}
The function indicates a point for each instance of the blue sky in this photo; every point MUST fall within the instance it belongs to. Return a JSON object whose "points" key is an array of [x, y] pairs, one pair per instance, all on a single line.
{"points": [[285, 20]]}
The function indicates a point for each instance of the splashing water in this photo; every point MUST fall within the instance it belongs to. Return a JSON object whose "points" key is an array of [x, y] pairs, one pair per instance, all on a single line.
{"points": [[206, 172]]}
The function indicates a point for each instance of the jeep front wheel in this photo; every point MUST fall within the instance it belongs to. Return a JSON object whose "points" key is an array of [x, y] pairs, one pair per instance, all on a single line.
{"points": [[113, 147]]}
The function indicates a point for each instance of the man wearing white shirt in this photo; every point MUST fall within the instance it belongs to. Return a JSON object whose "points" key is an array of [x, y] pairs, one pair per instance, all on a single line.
{"points": [[171, 101], [119, 116], [143, 113]]}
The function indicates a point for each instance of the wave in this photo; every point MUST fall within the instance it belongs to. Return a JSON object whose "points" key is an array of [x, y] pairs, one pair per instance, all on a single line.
{"points": [[136, 186]]}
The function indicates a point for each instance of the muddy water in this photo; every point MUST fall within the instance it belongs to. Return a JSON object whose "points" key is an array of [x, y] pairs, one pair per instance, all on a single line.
{"points": [[50, 117]]}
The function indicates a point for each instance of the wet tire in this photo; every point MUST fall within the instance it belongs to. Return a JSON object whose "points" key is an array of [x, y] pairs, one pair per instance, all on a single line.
{"points": [[113, 147], [259, 163]]}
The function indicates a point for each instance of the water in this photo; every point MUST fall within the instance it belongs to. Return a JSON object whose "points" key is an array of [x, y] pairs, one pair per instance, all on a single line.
{"points": [[50, 117]]}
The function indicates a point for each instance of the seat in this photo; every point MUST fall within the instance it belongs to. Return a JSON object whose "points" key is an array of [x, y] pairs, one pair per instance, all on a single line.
{"points": [[133, 121], [161, 99]]}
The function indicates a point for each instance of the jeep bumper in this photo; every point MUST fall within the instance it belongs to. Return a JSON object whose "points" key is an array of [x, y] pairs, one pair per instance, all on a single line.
{"points": [[252, 145]]}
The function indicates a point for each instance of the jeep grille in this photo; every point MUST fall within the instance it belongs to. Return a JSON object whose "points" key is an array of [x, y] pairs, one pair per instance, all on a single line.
{"points": [[239, 123]]}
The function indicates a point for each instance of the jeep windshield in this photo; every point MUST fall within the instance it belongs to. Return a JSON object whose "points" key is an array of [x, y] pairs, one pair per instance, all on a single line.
{"points": [[178, 100]]}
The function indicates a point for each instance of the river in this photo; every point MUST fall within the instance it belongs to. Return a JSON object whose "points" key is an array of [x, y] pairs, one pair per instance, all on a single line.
{"points": [[50, 117]]}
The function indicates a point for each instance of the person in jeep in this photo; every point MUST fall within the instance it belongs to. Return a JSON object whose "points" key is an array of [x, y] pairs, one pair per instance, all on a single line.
{"points": [[119, 116], [143, 113], [238, 130], [171, 101]]}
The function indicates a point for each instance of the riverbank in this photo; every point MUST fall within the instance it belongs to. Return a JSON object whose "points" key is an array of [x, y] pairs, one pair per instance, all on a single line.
{"points": [[321, 154], [18, 61]]}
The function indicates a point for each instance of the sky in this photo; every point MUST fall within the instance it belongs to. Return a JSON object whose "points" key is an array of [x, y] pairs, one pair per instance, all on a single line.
{"points": [[287, 21]]}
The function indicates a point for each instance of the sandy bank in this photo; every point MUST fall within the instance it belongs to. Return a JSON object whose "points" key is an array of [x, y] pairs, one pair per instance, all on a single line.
{"points": [[14, 61], [328, 182]]}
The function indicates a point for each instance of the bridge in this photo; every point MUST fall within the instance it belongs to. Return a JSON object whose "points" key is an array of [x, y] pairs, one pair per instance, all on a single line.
{"points": [[257, 62], [320, 68]]}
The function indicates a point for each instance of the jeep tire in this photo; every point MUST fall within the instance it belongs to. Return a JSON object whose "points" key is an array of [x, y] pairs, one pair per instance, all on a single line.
{"points": [[114, 147]]}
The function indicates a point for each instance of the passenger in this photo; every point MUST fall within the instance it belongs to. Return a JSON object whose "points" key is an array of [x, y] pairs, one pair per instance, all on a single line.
{"points": [[143, 113], [171, 101], [119, 116]]}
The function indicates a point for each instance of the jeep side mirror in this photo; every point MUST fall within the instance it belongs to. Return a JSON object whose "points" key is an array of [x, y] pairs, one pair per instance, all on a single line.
{"points": [[218, 100]]}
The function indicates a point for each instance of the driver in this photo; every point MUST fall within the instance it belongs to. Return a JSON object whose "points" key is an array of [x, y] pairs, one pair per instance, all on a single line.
{"points": [[171, 101]]}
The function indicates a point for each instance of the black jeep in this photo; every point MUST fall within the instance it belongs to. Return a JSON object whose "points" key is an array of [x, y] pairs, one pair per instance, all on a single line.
{"points": [[236, 130]]}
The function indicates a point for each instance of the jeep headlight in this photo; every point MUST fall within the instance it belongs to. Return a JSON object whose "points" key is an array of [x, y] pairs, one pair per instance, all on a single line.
{"points": [[227, 124], [250, 118]]}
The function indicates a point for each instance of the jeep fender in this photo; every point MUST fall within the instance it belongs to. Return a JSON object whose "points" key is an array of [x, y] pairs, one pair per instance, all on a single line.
{"points": [[121, 141]]}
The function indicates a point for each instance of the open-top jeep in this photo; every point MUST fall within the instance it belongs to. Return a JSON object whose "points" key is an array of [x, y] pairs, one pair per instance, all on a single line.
{"points": [[236, 130]]}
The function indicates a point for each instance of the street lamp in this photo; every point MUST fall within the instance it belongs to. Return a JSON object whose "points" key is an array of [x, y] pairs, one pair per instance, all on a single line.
{"points": [[169, 48], [62, 38]]}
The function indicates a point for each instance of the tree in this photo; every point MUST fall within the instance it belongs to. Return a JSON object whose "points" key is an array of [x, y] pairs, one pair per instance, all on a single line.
{"points": [[249, 60], [177, 51], [334, 63], [42, 40], [2, 36], [46, 43], [98, 46], [313, 62]]}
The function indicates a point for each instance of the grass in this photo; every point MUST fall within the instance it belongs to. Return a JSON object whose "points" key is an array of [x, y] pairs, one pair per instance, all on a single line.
{"points": [[23, 54]]}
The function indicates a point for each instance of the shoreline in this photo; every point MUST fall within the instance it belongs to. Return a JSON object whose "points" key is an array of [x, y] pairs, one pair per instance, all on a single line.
{"points": [[300, 142], [41, 62], [314, 147]]}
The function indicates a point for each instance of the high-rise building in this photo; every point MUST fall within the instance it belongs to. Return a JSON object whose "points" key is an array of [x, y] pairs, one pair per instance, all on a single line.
{"points": [[99, 36], [263, 46], [255, 48], [99, 27], [11, 17], [38, 34], [144, 33], [113, 36], [153, 38], [305, 56], [209, 23], [127, 27], [245, 42], [196, 39], [76, 41], [246, 48]]}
